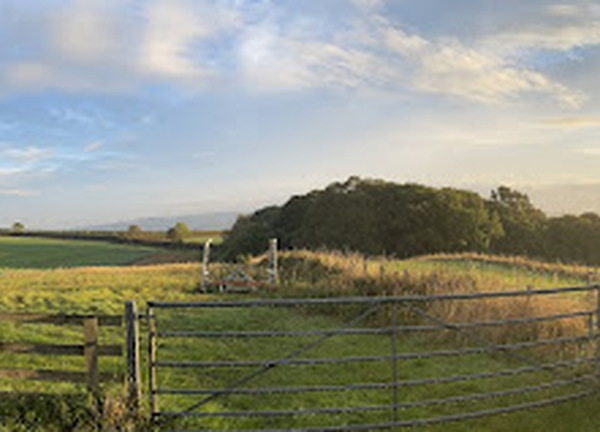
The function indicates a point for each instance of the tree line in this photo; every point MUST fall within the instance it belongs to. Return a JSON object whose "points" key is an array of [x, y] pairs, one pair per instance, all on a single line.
{"points": [[174, 236], [380, 217]]}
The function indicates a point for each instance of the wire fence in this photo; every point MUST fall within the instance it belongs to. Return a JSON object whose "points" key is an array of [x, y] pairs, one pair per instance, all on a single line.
{"points": [[365, 363]]}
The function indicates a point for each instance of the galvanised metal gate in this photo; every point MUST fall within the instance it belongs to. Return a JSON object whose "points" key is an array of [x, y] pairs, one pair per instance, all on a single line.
{"points": [[365, 363]]}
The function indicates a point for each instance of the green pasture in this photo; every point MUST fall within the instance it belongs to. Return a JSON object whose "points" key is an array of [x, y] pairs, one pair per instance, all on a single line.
{"points": [[33, 252], [581, 416], [200, 237], [104, 289], [564, 417]]}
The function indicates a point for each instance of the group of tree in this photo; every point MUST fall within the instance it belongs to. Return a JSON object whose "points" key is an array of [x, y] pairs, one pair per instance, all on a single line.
{"points": [[176, 234], [402, 220]]}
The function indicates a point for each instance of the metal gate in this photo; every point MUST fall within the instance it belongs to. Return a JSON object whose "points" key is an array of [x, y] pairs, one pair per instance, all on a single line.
{"points": [[366, 363]]}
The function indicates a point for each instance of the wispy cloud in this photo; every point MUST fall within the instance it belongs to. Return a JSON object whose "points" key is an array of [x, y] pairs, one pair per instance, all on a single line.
{"points": [[593, 151], [92, 147], [85, 31], [569, 26], [69, 115], [27, 155], [377, 52], [577, 122], [166, 46], [19, 192], [265, 46]]}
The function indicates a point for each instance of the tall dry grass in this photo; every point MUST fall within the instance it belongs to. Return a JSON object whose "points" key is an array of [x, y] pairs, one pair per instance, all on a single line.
{"points": [[311, 273]]}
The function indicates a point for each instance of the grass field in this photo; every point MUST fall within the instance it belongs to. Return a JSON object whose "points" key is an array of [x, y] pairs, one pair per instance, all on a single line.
{"points": [[565, 417], [200, 237], [33, 252], [103, 289]]}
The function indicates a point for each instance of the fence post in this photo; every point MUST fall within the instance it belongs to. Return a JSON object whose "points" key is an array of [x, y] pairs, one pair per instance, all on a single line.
{"points": [[598, 329], [152, 361], [205, 260], [273, 270], [133, 355], [90, 352], [394, 349]]}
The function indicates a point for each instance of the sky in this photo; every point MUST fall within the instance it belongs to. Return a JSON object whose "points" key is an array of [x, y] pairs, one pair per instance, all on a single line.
{"points": [[118, 109]]}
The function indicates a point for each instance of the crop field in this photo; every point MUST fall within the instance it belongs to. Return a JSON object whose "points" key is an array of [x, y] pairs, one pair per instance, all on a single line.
{"points": [[33, 252], [103, 289]]}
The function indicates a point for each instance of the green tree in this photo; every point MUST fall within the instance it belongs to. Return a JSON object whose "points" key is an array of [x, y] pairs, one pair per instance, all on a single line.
{"points": [[573, 238], [250, 234], [522, 222], [373, 217], [18, 228], [134, 230], [178, 233]]}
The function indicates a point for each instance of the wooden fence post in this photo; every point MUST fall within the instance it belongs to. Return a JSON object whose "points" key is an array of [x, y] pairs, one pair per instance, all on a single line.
{"points": [[90, 352], [597, 330], [133, 355], [150, 321], [273, 265], [205, 261]]}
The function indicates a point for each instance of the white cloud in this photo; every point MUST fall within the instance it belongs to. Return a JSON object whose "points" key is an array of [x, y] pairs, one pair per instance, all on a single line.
{"points": [[170, 32], [369, 4], [401, 43], [51, 74], [19, 192], [577, 122], [84, 32], [9, 172], [92, 147], [173, 28], [565, 10], [27, 155], [557, 37], [593, 151], [108, 47], [377, 53], [69, 115], [27, 73], [270, 60], [454, 69]]}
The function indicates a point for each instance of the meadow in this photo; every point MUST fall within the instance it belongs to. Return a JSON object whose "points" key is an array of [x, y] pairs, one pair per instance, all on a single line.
{"points": [[103, 289], [35, 252]]}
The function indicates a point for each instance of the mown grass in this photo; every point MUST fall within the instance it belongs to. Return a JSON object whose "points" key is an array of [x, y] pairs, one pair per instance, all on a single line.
{"points": [[33, 252], [104, 289]]}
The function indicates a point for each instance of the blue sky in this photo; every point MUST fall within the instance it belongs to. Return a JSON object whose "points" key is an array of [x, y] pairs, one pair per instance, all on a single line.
{"points": [[116, 109]]}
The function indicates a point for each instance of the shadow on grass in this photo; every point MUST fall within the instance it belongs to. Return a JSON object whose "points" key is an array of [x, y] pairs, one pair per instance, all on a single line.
{"points": [[47, 412]]}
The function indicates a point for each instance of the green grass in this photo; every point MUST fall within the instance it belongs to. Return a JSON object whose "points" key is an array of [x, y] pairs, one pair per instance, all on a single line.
{"points": [[32, 252], [339, 346], [200, 237], [104, 289]]}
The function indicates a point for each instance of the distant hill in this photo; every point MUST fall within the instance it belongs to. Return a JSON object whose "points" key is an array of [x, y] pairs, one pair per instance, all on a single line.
{"points": [[201, 222]]}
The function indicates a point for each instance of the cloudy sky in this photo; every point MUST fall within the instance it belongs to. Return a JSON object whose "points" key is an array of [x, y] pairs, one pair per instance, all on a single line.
{"points": [[114, 109]]}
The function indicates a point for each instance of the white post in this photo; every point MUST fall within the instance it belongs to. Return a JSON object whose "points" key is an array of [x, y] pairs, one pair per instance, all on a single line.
{"points": [[205, 260], [273, 276]]}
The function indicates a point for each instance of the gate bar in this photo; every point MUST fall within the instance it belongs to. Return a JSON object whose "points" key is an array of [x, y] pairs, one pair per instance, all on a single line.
{"points": [[366, 300]]}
